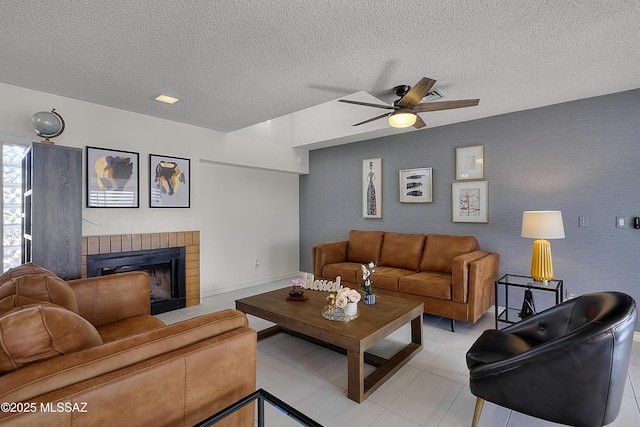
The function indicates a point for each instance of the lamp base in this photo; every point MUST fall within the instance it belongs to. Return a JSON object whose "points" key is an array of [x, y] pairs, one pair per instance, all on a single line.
{"points": [[541, 265]]}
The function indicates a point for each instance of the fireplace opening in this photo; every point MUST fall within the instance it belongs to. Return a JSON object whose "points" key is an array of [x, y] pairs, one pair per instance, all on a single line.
{"points": [[166, 269]]}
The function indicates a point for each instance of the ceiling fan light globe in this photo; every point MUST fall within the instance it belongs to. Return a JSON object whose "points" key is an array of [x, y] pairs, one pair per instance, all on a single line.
{"points": [[402, 118]]}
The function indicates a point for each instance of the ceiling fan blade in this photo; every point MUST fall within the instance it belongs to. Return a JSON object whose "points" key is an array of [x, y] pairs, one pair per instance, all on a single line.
{"points": [[419, 122], [366, 104], [370, 120], [416, 93], [445, 105]]}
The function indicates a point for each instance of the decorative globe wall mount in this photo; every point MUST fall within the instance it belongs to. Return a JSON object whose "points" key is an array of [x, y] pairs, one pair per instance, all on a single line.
{"points": [[48, 125]]}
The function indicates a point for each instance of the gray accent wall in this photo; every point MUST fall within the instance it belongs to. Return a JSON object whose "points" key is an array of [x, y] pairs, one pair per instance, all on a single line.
{"points": [[580, 157]]}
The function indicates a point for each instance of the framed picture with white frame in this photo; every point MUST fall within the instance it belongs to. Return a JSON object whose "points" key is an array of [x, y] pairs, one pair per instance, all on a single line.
{"points": [[416, 185], [470, 201], [470, 162], [372, 188]]}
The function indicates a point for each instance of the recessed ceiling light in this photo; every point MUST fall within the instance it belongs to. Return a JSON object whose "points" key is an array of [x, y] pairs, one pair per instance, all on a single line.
{"points": [[166, 99]]}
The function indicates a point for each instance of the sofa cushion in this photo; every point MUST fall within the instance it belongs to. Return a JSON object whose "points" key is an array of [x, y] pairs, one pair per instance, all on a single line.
{"points": [[364, 246], [440, 250], [128, 327], [402, 250], [39, 287], [435, 285], [42, 331], [348, 271], [386, 277]]}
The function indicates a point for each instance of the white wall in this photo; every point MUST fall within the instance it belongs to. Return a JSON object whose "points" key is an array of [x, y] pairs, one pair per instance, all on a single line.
{"points": [[95, 125], [248, 214]]}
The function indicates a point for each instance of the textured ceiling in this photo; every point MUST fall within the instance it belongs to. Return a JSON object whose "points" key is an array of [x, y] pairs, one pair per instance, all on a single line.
{"points": [[237, 64]]}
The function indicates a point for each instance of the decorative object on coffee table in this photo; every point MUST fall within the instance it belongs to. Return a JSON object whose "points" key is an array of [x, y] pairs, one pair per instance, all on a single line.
{"points": [[342, 306], [368, 295], [297, 293]]}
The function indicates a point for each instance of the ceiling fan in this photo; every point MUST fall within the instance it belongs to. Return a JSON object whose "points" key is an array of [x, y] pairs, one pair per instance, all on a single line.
{"points": [[405, 109]]}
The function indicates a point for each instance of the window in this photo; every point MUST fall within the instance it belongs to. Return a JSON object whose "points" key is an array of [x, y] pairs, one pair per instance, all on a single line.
{"points": [[11, 203]]}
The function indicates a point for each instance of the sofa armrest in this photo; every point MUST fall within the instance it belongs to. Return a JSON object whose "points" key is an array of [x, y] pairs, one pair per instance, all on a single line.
{"points": [[108, 299], [483, 273], [49, 375], [328, 253], [474, 273]]}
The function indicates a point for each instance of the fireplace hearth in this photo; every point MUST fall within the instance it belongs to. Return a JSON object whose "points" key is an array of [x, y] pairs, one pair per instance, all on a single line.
{"points": [[166, 269]]}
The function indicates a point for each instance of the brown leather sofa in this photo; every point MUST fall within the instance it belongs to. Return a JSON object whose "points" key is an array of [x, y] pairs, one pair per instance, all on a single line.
{"points": [[88, 353], [449, 274]]}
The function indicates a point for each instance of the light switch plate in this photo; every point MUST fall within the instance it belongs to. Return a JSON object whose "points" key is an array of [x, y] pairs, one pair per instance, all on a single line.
{"points": [[583, 221], [621, 222]]}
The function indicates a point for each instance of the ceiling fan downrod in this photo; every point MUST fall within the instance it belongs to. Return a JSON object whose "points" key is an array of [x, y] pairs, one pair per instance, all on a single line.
{"points": [[401, 90]]}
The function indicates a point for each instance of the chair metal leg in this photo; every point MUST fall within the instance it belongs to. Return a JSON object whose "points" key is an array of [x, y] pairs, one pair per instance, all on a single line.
{"points": [[453, 325], [477, 412]]}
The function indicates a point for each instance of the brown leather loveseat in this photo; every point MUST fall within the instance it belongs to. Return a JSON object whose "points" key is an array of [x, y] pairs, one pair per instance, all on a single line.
{"points": [[88, 353], [449, 274]]}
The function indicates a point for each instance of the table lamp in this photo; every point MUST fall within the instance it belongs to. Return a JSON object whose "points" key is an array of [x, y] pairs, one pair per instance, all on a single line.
{"points": [[542, 225]]}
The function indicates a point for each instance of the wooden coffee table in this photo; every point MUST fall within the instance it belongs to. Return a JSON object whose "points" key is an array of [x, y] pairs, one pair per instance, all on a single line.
{"points": [[375, 322]]}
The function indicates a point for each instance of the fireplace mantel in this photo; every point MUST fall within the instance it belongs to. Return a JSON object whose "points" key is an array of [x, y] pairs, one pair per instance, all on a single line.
{"points": [[134, 242]]}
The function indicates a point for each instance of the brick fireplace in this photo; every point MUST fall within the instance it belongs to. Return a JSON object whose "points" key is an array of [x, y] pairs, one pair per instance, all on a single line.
{"points": [[110, 244]]}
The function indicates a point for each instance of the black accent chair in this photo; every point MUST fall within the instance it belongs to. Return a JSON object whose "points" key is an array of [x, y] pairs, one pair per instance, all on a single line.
{"points": [[567, 364]]}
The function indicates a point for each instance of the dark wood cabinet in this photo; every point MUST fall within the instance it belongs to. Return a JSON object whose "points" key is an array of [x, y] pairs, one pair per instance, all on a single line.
{"points": [[52, 209]]}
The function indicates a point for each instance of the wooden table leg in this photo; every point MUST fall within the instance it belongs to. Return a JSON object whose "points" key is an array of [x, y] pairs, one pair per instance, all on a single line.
{"points": [[355, 375], [417, 330]]}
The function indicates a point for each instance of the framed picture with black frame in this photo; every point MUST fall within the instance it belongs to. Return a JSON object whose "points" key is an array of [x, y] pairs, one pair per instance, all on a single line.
{"points": [[169, 182], [112, 178]]}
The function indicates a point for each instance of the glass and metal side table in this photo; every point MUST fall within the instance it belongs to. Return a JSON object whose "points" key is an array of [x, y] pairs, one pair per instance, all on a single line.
{"points": [[261, 396], [510, 314]]}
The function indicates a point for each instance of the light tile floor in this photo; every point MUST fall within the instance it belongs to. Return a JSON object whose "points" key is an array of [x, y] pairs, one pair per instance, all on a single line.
{"points": [[431, 390]]}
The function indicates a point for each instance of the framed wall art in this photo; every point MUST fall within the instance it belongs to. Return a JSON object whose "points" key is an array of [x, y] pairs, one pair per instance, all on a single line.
{"points": [[470, 201], [416, 185], [112, 178], [470, 162], [170, 182], [372, 188]]}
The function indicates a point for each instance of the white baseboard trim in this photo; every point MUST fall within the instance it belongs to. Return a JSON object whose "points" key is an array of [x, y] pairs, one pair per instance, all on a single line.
{"points": [[245, 285]]}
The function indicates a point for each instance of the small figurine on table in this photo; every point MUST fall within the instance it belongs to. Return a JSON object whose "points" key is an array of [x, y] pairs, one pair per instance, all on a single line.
{"points": [[297, 293]]}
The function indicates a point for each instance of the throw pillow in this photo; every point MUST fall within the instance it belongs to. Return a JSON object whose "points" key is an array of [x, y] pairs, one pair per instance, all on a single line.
{"points": [[40, 287], [24, 269], [41, 331]]}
